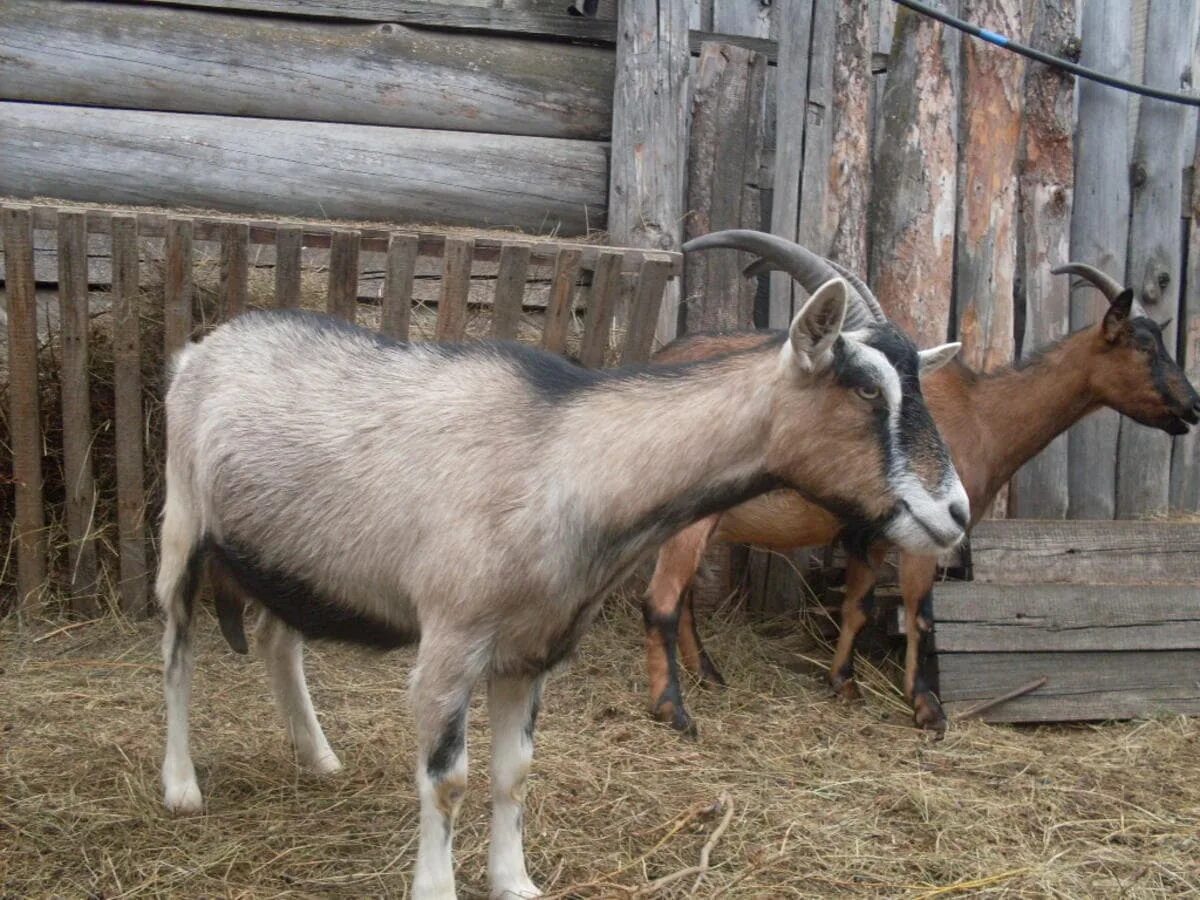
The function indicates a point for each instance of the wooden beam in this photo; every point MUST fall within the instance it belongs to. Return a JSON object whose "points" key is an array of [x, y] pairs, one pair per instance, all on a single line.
{"points": [[510, 291], [456, 279], [562, 298], [649, 134], [602, 301], [177, 284], [305, 169], [289, 240], [647, 297], [342, 293], [398, 286], [234, 278], [1185, 458], [1039, 489]]}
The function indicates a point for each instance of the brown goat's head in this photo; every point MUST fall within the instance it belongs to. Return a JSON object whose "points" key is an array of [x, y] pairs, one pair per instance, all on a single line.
{"points": [[1134, 373]]}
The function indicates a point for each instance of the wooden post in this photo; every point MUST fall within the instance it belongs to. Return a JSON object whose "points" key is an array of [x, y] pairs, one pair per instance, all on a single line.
{"points": [[606, 286], [1047, 175], [1099, 233], [128, 425], [1162, 148], [235, 257], [562, 296], [76, 411], [342, 296], [289, 239], [725, 153], [24, 420], [791, 91], [1185, 458], [398, 285], [510, 291], [643, 316], [456, 283], [177, 286], [912, 210], [645, 207]]}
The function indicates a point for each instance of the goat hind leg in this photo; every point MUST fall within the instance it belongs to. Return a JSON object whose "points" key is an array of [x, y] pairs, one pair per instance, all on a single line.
{"points": [[691, 649], [856, 606], [512, 711]]}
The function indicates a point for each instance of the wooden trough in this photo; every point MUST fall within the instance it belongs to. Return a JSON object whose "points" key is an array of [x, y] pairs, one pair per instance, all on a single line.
{"points": [[1108, 612]]}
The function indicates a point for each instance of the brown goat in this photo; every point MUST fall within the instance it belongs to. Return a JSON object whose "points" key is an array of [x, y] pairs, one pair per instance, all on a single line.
{"points": [[993, 423]]}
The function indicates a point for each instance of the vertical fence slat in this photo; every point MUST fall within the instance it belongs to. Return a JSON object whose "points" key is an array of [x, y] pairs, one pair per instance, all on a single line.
{"points": [[76, 410], [456, 286], [342, 297], [562, 295], [1099, 233], [510, 291], [177, 285], [606, 288], [398, 285], [1047, 176], [128, 425], [647, 297], [24, 421], [235, 258], [1185, 457], [289, 239], [1162, 148]]}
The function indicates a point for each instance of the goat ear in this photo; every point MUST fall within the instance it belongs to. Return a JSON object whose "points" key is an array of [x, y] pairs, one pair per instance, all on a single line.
{"points": [[1118, 314], [818, 324], [935, 357]]}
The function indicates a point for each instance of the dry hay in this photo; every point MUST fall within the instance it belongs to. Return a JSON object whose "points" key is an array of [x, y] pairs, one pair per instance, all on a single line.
{"points": [[822, 799]]}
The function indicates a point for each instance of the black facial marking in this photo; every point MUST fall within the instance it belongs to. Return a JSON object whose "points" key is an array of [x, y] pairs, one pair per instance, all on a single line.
{"points": [[1147, 331], [449, 746], [301, 606]]}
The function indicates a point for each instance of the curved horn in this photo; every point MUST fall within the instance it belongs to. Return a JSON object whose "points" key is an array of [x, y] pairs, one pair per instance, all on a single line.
{"points": [[1109, 286], [867, 295]]}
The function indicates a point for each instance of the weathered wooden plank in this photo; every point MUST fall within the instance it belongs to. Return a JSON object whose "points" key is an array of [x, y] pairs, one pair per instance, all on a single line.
{"points": [[602, 300], [1079, 687], [562, 298], [1185, 457], [749, 17], [76, 413], [791, 98], [1039, 489], [235, 252], [647, 297], [177, 286], [306, 169], [1162, 147], [1086, 552], [342, 294], [1099, 233], [725, 154], [24, 421], [649, 134], [117, 55], [456, 280], [510, 291], [128, 426], [288, 244], [398, 286], [913, 203], [993, 618]]}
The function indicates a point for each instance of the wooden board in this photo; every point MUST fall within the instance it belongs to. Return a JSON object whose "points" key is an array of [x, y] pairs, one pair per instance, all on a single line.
{"points": [[562, 298], [452, 308], [235, 248], [1080, 686], [1099, 233], [606, 285], [177, 285], [996, 618], [398, 286], [643, 317], [1039, 490], [510, 291], [289, 240], [306, 169], [117, 55], [342, 292], [1163, 145], [1185, 458], [1086, 552]]}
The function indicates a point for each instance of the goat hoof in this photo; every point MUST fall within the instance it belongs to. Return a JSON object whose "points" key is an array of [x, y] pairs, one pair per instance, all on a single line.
{"points": [[183, 798], [519, 890], [677, 717], [847, 691], [328, 764], [928, 714]]}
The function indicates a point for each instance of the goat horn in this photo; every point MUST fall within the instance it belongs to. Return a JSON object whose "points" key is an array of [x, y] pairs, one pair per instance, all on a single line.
{"points": [[867, 295], [1109, 286]]}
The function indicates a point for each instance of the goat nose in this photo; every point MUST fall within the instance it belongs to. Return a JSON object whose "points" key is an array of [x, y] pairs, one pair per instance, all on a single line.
{"points": [[958, 513]]}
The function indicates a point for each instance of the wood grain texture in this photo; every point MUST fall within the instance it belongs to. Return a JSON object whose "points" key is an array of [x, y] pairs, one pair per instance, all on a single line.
{"points": [[24, 420], [1086, 552], [602, 301], [235, 258], [728, 115], [1040, 488], [1163, 146], [993, 618], [562, 298], [398, 286], [510, 291], [288, 244], [1185, 457], [1080, 686], [177, 286], [643, 316], [77, 416], [914, 200], [306, 169], [118, 55], [1099, 233], [128, 426], [456, 280], [342, 294], [749, 17], [649, 133]]}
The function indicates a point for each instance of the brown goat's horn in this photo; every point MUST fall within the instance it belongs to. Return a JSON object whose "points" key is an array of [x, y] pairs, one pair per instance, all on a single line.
{"points": [[1109, 286]]}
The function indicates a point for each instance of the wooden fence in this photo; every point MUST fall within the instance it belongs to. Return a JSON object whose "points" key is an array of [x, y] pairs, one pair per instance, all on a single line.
{"points": [[615, 275]]}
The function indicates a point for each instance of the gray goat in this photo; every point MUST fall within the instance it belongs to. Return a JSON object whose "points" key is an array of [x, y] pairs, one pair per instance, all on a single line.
{"points": [[483, 498]]}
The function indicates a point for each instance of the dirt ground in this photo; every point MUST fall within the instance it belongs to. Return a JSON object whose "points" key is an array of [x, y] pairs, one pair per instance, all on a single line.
{"points": [[817, 799]]}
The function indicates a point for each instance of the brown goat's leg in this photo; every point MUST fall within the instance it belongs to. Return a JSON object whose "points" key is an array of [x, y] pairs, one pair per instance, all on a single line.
{"points": [[856, 609], [691, 648], [677, 563], [917, 574]]}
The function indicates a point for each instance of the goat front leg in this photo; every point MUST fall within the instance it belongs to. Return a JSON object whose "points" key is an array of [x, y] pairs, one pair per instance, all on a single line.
{"points": [[856, 610], [512, 711], [917, 574], [282, 650]]}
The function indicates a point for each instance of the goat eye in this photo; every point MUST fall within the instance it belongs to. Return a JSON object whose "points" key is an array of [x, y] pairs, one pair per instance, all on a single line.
{"points": [[868, 393]]}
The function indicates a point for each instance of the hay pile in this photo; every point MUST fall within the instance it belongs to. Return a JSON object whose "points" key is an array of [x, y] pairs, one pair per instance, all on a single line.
{"points": [[822, 799]]}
